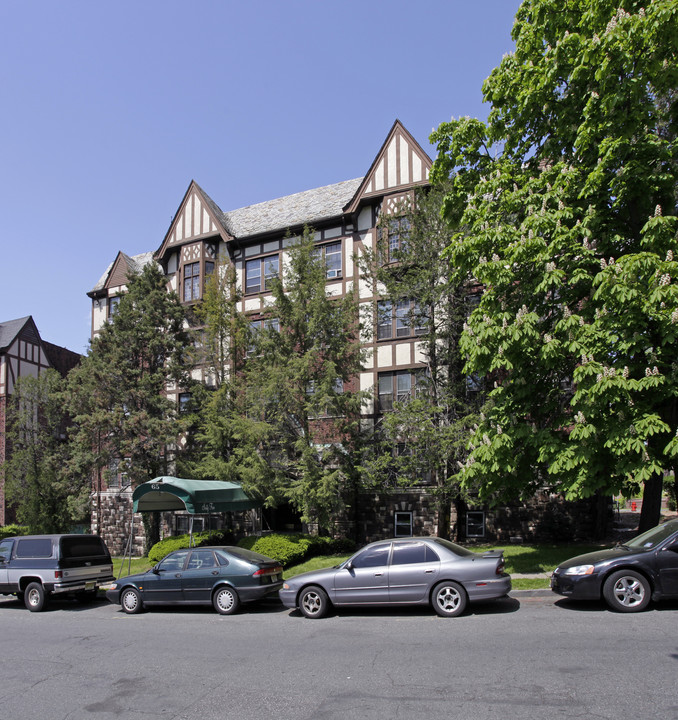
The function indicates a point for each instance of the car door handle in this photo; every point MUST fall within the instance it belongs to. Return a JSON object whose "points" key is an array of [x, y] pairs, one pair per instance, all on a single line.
{"points": [[178, 575], [215, 572], [378, 574], [429, 571]]}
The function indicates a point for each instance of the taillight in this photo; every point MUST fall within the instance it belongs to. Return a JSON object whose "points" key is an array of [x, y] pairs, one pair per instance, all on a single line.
{"points": [[267, 571], [500, 567], [58, 574]]}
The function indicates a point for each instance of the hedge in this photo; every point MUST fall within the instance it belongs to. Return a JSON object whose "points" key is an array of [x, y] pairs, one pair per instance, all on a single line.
{"points": [[179, 542], [293, 548], [12, 530]]}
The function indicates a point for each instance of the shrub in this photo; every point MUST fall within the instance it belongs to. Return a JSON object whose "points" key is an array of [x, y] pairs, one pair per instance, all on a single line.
{"points": [[12, 530], [293, 548], [179, 542]]}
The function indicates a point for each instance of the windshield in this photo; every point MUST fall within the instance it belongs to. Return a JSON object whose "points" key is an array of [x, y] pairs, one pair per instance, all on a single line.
{"points": [[653, 537]]}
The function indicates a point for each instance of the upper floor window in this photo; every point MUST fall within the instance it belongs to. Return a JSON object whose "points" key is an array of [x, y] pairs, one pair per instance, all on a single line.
{"points": [[113, 303], [399, 319], [259, 273], [399, 386], [398, 231], [192, 283], [331, 255]]}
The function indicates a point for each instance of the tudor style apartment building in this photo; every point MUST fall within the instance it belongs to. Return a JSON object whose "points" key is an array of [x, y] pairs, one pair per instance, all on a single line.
{"points": [[344, 217]]}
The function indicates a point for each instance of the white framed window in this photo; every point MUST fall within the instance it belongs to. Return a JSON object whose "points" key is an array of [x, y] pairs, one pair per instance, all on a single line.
{"points": [[475, 523], [403, 524], [259, 273], [399, 319]]}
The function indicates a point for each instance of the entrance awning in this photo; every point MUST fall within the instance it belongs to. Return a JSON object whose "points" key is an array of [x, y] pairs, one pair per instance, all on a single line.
{"points": [[194, 496]]}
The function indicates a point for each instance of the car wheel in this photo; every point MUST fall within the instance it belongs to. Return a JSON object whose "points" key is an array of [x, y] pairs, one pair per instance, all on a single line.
{"points": [[627, 591], [35, 597], [449, 599], [225, 600], [313, 602], [130, 601]]}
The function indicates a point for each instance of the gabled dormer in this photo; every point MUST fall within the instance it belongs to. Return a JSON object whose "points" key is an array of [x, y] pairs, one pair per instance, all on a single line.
{"points": [[400, 164], [191, 246]]}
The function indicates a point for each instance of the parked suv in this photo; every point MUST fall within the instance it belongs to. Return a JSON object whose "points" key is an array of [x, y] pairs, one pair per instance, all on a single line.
{"points": [[33, 567]]}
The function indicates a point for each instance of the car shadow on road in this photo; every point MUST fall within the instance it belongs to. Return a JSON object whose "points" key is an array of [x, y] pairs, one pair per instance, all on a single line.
{"points": [[601, 606], [488, 607]]}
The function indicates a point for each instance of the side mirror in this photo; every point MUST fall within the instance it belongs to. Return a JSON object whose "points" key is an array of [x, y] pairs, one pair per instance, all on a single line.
{"points": [[348, 565], [155, 570]]}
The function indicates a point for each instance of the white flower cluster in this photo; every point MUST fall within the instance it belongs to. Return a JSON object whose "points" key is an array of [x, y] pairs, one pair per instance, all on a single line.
{"points": [[665, 280], [658, 211], [579, 418], [674, 316], [550, 267], [625, 372], [495, 257], [669, 256], [653, 371], [548, 338]]}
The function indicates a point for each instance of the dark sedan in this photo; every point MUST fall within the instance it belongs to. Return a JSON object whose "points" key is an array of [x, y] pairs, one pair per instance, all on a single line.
{"points": [[626, 576], [223, 577], [404, 571]]}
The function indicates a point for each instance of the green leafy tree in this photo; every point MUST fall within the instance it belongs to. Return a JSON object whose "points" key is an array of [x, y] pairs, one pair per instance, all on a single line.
{"points": [[564, 207], [424, 438], [46, 498], [298, 374], [117, 395]]}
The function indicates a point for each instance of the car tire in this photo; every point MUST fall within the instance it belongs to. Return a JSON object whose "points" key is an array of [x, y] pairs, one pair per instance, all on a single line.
{"points": [[627, 591], [130, 601], [449, 599], [313, 602], [225, 600], [35, 597]]}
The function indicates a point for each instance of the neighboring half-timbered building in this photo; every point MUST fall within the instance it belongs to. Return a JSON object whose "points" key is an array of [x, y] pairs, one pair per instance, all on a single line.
{"points": [[23, 353]]}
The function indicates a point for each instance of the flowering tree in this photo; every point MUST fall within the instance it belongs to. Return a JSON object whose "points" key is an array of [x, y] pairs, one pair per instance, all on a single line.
{"points": [[565, 210]]}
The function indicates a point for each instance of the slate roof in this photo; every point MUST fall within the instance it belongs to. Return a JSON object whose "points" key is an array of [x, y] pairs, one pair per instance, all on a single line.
{"points": [[134, 262], [10, 329], [304, 208]]}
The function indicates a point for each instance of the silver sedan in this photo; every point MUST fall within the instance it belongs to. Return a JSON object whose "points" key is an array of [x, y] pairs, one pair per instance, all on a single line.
{"points": [[407, 571]]}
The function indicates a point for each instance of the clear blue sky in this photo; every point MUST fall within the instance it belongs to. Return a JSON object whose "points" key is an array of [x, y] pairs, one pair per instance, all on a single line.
{"points": [[110, 109]]}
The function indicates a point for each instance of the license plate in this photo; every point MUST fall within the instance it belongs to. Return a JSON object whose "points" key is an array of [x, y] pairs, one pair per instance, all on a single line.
{"points": [[90, 585], [275, 578]]}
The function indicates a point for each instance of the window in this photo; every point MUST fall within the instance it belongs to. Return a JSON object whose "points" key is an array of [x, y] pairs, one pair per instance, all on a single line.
{"points": [[403, 524], [183, 524], [475, 523], [376, 556], [256, 326], [192, 289], [192, 282], [117, 478], [331, 255], [184, 402], [403, 318], [406, 553], [201, 559], [266, 268], [113, 303], [174, 562], [399, 386], [398, 232]]}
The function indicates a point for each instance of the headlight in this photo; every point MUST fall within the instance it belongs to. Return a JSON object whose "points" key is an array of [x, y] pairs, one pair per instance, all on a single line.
{"points": [[579, 570], [286, 586]]}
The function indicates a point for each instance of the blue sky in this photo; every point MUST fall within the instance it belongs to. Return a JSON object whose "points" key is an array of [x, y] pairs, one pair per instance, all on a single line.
{"points": [[109, 110]]}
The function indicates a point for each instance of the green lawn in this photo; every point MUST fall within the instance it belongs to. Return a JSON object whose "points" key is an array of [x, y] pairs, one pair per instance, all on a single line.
{"points": [[138, 565]]}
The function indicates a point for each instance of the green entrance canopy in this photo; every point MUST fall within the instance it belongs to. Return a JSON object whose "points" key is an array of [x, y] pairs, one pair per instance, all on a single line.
{"points": [[195, 496]]}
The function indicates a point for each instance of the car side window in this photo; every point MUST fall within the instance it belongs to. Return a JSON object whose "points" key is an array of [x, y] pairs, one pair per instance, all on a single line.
{"points": [[5, 550], [376, 556], [173, 562], [201, 559], [408, 553]]}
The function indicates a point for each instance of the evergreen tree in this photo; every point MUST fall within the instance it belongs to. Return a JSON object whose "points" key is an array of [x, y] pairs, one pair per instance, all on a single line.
{"points": [[424, 437], [118, 394], [46, 499], [564, 207], [304, 412]]}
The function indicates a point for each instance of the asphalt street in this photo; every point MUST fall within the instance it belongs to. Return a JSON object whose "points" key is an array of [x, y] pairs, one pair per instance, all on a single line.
{"points": [[531, 656]]}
